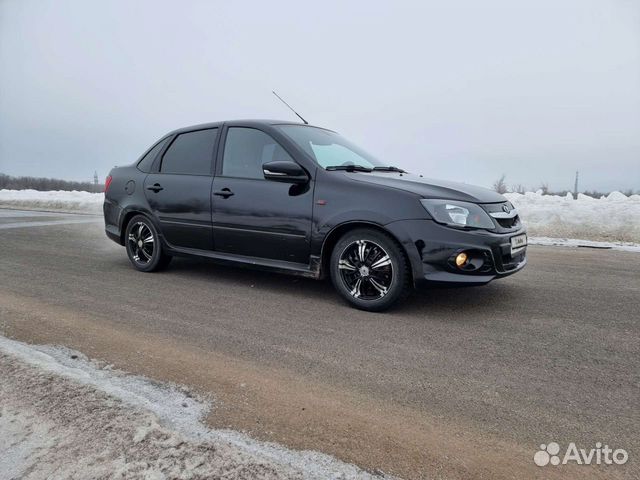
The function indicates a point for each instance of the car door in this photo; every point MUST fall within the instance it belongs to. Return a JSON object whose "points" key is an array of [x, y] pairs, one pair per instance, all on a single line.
{"points": [[179, 194], [253, 216]]}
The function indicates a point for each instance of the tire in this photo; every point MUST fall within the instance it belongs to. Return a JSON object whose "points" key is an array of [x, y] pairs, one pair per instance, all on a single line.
{"points": [[370, 270], [144, 247]]}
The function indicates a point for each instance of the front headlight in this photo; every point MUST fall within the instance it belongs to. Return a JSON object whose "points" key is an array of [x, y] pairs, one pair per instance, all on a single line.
{"points": [[458, 214]]}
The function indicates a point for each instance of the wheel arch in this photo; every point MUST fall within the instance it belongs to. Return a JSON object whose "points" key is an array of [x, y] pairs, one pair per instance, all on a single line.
{"points": [[340, 230], [128, 214]]}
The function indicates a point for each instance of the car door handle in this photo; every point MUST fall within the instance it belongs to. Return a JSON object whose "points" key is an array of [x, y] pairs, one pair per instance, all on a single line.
{"points": [[155, 188], [225, 193]]}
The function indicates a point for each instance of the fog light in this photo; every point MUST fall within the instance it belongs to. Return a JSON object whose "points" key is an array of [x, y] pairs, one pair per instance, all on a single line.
{"points": [[461, 259]]}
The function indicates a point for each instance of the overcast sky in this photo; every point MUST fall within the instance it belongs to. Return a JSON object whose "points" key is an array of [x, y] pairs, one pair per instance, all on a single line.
{"points": [[459, 90]]}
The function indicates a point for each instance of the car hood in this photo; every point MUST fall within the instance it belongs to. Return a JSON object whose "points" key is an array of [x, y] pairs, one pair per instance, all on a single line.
{"points": [[428, 187]]}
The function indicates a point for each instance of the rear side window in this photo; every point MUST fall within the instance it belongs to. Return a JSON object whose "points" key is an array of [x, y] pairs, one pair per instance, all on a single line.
{"points": [[246, 149], [190, 153], [147, 161]]}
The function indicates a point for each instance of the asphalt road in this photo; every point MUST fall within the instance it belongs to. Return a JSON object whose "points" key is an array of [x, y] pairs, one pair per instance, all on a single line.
{"points": [[454, 383]]}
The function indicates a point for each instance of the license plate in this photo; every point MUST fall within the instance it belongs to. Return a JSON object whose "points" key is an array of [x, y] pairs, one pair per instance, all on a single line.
{"points": [[518, 242]]}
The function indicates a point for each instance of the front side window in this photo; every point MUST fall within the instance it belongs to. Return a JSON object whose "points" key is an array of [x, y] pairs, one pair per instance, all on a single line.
{"points": [[147, 161], [190, 153], [246, 150], [328, 148]]}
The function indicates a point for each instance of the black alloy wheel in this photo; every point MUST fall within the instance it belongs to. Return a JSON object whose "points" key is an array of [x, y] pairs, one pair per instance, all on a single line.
{"points": [[369, 269], [144, 247]]}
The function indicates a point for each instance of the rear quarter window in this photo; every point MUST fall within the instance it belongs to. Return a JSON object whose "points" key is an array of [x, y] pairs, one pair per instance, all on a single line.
{"points": [[146, 162]]}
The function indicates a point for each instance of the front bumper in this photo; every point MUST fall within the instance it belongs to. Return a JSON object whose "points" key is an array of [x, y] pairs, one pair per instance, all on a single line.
{"points": [[432, 248]]}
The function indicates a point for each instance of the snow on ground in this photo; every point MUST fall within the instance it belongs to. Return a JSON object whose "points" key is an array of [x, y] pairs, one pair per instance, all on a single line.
{"points": [[81, 202], [64, 416], [574, 242], [613, 219]]}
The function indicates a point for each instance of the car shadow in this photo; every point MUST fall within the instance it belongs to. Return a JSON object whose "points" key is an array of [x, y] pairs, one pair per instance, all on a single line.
{"points": [[204, 268], [428, 301]]}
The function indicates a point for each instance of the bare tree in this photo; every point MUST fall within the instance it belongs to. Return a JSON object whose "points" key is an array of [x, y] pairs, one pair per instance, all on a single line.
{"points": [[500, 185], [519, 188], [545, 188]]}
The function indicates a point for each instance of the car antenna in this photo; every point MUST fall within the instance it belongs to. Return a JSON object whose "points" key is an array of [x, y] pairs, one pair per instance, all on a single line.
{"points": [[299, 116]]}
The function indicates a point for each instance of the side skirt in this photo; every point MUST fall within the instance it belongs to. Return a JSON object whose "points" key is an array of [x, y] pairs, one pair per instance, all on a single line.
{"points": [[280, 266]]}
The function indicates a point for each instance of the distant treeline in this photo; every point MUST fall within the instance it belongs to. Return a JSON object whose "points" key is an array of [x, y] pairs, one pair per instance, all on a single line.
{"points": [[501, 186], [43, 184]]}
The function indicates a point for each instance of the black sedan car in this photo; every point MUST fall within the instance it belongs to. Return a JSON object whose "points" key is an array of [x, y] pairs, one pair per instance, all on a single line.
{"points": [[304, 200]]}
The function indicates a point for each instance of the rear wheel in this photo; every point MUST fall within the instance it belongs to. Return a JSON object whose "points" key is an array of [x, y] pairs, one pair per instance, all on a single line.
{"points": [[143, 245], [369, 269]]}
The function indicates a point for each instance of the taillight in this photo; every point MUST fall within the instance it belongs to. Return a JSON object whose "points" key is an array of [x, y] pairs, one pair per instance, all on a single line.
{"points": [[107, 183]]}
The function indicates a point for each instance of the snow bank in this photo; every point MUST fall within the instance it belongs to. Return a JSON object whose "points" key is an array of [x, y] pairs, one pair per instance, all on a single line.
{"points": [[64, 416], [615, 218], [57, 200]]}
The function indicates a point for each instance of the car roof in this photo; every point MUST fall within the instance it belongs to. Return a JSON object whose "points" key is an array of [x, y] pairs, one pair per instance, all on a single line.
{"points": [[247, 122]]}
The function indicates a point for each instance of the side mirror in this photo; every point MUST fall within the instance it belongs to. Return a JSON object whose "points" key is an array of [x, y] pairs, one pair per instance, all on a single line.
{"points": [[285, 171]]}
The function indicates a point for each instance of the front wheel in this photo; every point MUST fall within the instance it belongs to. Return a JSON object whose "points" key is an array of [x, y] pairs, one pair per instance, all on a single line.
{"points": [[144, 248], [370, 270]]}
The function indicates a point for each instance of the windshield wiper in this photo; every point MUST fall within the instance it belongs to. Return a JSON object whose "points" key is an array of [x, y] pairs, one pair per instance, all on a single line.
{"points": [[390, 168], [349, 168]]}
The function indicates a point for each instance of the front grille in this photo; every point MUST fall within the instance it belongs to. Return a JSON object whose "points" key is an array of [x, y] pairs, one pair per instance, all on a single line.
{"points": [[510, 262], [509, 222], [503, 214], [504, 261]]}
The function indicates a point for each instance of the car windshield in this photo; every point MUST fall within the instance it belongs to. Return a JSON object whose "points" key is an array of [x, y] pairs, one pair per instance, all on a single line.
{"points": [[329, 149]]}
